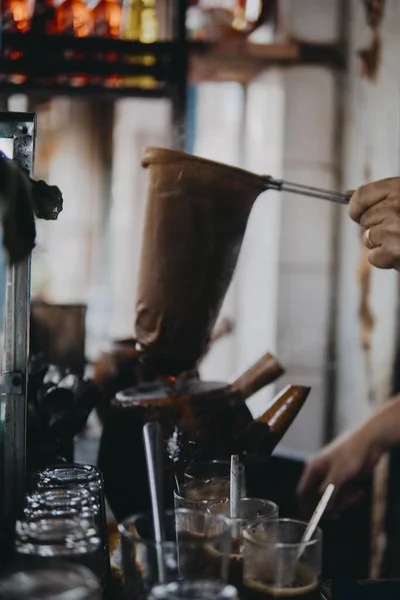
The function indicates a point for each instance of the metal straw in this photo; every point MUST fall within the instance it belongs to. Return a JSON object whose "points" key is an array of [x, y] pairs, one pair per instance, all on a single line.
{"points": [[315, 519], [153, 448], [235, 493], [306, 190]]}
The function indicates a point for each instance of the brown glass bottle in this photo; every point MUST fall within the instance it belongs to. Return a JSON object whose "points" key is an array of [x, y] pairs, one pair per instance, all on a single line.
{"points": [[16, 16], [44, 17], [107, 15], [73, 17]]}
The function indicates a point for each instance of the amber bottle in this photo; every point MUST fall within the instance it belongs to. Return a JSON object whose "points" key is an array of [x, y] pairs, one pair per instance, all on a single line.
{"points": [[140, 23], [107, 16]]}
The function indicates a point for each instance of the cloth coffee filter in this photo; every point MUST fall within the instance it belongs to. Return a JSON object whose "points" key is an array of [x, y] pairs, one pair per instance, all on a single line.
{"points": [[196, 216]]}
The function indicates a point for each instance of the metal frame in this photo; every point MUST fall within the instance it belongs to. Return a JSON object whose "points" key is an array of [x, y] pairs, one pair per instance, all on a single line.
{"points": [[21, 127]]}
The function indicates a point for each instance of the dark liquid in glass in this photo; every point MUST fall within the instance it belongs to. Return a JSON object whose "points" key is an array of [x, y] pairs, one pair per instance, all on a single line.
{"points": [[304, 587], [213, 490]]}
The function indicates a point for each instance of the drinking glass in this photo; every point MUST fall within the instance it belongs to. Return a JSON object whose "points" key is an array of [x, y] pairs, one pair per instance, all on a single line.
{"points": [[251, 511], [42, 542], [196, 546], [62, 582], [197, 494], [60, 502], [193, 590], [88, 478], [220, 469], [277, 564]]}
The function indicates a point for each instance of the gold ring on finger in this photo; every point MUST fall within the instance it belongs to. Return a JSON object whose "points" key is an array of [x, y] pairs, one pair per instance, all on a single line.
{"points": [[367, 239]]}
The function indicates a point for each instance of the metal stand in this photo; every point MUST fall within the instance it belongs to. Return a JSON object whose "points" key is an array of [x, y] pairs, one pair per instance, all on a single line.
{"points": [[21, 128]]}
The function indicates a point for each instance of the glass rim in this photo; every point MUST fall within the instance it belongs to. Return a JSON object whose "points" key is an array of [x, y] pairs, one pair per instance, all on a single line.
{"points": [[215, 461], [316, 539], [84, 473], [257, 518], [191, 483], [55, 495], [126, 534]]}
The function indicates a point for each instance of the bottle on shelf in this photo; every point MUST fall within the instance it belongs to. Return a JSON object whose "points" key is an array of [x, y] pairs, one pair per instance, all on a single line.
{"points": [[16, 18], [74, 17], [17, 15], [44, 17], [107, 15], [140, 23]]}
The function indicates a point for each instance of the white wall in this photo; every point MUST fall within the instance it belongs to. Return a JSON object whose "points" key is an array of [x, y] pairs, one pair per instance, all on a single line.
{"points": [[371, 150], [138, 123], [250, 136], [305, 269]]}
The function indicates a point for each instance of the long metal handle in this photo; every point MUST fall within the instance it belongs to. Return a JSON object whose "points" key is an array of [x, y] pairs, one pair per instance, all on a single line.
{"points": [[306, 190], [153, 449]]}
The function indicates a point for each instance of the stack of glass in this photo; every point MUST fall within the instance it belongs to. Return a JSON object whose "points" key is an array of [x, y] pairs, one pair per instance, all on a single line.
{"points": [[80, 477], [64, 518], [63, 582]]}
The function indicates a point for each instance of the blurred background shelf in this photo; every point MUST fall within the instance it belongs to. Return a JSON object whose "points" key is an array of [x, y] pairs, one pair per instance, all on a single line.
{"points": [[39, 63]]}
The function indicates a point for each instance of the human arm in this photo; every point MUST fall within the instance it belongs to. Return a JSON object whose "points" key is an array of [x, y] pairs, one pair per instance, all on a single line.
{"points": [[376, 207], [351, 456]]}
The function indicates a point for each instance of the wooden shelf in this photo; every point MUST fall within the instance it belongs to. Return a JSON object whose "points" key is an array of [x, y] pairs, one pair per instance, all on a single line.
{"points": [[43, 59], [239, 60]]}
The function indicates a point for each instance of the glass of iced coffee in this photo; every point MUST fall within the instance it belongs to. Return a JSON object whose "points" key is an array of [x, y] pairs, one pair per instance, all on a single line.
{"points": [[196, 547], [212, 469], [197, 494], [206, 482], [251, 512], [277, 564]]}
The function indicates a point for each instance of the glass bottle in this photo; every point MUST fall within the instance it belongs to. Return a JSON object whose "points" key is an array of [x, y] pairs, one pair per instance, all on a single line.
{"points": [[44, 17], [107, 16], [73, 17], [17, 15], [140, 23], [16, 18]]}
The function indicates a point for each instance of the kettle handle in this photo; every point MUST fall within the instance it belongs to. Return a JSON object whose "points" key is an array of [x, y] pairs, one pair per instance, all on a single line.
{"points": [[266, 370]]}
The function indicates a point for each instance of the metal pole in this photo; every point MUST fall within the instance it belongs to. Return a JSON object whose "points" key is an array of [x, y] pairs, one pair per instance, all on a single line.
{"points": [[21, 128], [178, 89]]}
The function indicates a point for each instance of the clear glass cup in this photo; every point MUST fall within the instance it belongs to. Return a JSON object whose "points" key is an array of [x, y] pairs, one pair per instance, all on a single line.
{"points": [[88, 478], [60, 502], [210, 470], [42, 542], [251, 511], [277, 564], [196, 546], [197, 494], [62, 582], [194, 590]]}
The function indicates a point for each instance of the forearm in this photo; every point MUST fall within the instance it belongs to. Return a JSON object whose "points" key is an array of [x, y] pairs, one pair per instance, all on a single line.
{"points": [[384, 426]]}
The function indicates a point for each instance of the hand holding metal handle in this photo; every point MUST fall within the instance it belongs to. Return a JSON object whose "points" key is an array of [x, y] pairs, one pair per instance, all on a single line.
{"points": [[306, 190], [152, 438]]}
